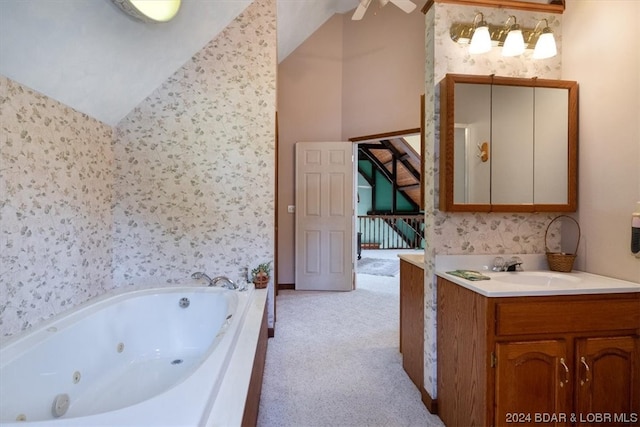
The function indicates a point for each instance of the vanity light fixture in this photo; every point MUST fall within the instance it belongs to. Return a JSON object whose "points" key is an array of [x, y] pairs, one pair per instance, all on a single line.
{"points": [[480, 39], [513, 39], [514, 43], [150, 10], [546, 44]]}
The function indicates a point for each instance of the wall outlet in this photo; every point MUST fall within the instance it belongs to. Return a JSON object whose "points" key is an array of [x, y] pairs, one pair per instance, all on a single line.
{"points": [[291, 209]]}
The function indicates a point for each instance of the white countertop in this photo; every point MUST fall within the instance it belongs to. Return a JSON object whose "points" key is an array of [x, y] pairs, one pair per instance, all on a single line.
{"points": [[583, 283], [536, 280]]}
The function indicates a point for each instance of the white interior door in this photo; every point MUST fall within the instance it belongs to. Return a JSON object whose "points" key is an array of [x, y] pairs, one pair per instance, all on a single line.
{"points": [[324, 229]]}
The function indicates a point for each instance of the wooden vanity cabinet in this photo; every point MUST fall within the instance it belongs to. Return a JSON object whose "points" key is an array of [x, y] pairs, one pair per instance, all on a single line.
{"points": [[530, 378], [412, 321], [526, 360], [607, 376]]}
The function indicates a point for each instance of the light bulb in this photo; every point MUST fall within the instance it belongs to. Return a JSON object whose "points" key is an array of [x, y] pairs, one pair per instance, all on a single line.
{"points": [[545, 46], [480, 41], [514, 44]]}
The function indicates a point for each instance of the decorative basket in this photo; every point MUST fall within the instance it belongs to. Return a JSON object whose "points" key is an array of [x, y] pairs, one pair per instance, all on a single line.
{"points": [[559, 261], [261, 282]]}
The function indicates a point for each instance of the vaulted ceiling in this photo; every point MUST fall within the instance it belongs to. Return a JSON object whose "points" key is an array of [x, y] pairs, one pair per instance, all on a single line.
{"points": [[92, 57]]}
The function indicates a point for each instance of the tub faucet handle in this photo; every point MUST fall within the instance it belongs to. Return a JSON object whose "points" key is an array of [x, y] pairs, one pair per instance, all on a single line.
{"points": [[200, 275], [226, 282]]}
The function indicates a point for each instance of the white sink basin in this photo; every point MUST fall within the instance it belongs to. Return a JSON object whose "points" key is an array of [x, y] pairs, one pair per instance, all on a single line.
{"points": [[537, 278]]}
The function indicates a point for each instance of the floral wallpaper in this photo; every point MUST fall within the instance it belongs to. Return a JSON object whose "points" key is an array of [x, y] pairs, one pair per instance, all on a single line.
{"points": [[185, 183], [450, 233], [195, 163], [56, 179]]}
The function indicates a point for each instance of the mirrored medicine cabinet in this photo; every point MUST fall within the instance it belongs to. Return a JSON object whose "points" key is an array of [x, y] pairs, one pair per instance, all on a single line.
{"points": [[508, 144]]}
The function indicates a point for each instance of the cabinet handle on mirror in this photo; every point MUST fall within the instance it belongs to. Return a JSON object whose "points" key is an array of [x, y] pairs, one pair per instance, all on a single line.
{"points": [[586, 371], [566, 370]]}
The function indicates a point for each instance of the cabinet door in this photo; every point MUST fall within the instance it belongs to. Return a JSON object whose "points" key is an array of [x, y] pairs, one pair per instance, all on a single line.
{"points": [[472, 127], [511, 145], [532, 377], [551, 139], [608, 381], [412, 321]]}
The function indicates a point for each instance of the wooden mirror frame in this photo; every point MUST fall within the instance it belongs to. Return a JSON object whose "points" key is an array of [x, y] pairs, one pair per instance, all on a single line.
{"points": [[447, 121]]}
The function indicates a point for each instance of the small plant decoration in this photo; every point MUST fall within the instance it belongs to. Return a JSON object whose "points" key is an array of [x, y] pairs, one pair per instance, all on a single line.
{"points": [[260, 275]]}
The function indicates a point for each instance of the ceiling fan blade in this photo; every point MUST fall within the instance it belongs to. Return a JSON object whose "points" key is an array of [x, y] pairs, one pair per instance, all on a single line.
{"points": [[360, 10], [406, 5]]}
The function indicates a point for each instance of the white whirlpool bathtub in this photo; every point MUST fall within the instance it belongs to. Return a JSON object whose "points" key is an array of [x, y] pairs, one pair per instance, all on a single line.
{"points": [[174, 356]]}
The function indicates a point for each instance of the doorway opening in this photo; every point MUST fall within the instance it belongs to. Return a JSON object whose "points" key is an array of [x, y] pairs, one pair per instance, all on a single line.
{"points": [[389, 201]]}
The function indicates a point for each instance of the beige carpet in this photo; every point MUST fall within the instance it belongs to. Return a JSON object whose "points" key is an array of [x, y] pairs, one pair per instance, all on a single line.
{"points": [[379, 266], [335, 362]]}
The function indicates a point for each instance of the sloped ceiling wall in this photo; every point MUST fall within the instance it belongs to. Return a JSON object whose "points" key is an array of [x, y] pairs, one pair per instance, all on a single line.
{"points": [[91, 56]]}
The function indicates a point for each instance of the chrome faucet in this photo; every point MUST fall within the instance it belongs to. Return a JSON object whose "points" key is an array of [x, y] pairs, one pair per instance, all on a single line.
{"points": [[216, 281], [514, 264], [227, 283], [201, 275]]}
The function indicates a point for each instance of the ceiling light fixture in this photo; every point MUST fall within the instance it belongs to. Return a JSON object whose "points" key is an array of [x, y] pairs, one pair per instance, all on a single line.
{"points": [[150, 10], [513, 39]]}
